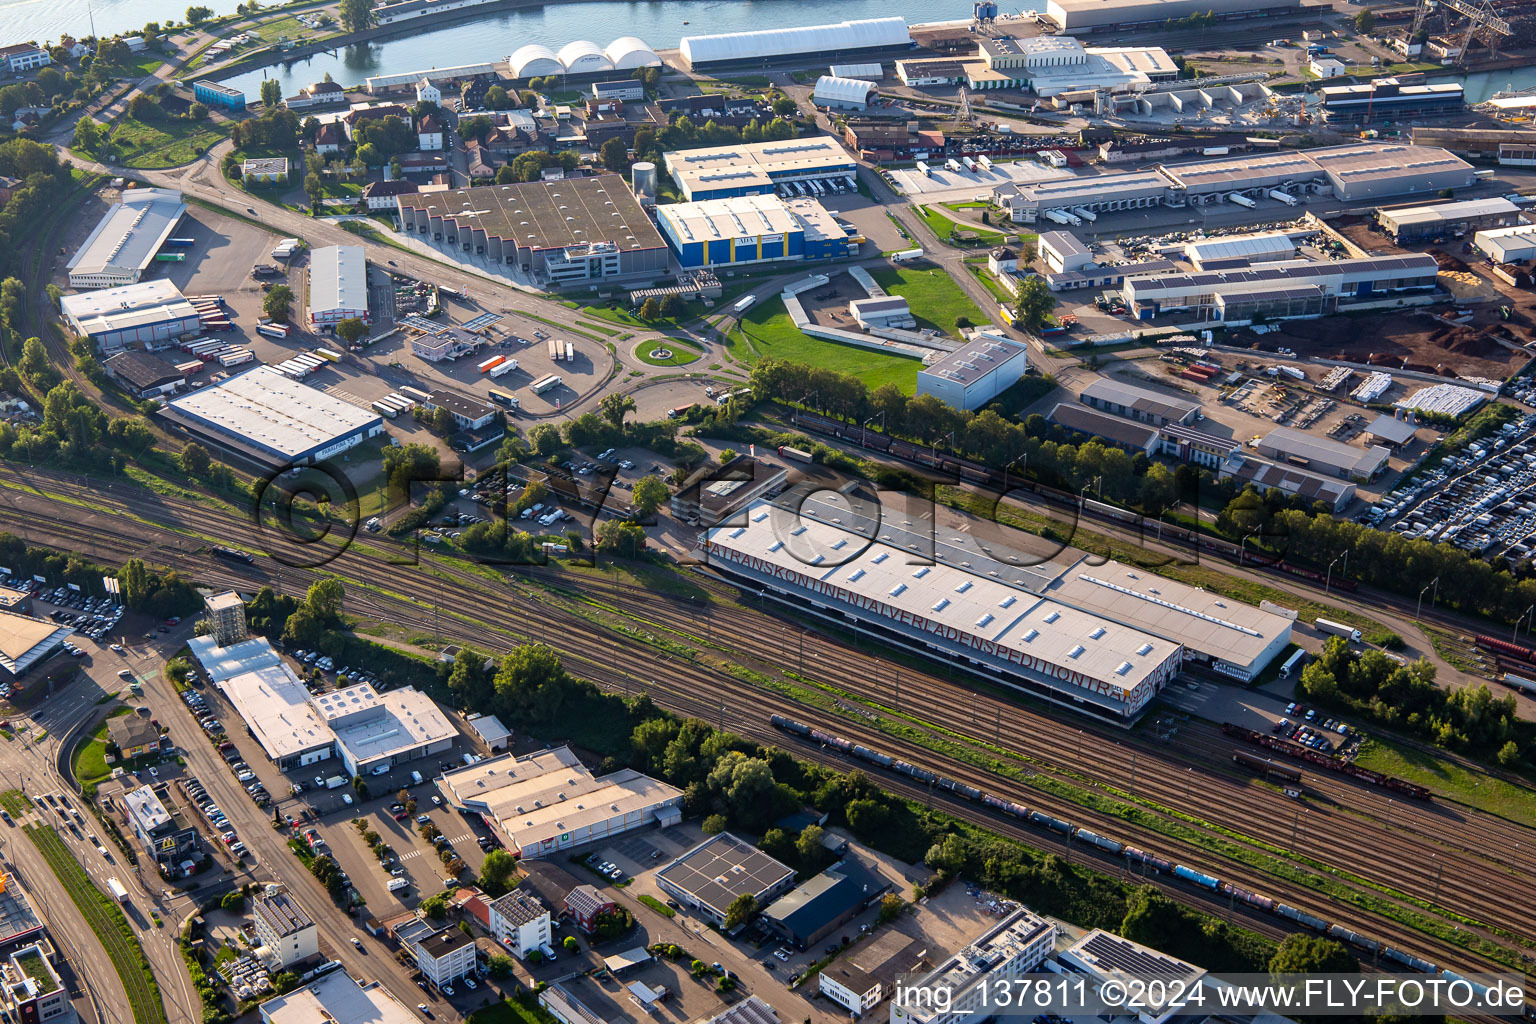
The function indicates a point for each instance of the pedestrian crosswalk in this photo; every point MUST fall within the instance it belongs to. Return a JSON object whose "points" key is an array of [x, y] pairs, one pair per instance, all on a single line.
{"points": [[455, 841]]}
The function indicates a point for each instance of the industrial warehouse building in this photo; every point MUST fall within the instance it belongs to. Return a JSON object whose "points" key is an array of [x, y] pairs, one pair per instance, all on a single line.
{"points": [[563, 232], [751, 229], [1508, 245], [961, 614], [1052, 65], [1134, 437], [126, 239], [363, 729], [1264, 476], [844, 93], [755, 168], [1408, 224], [825, 902], [753, 49], [144, 375], [1283, 290], [1387, 99], [1138, 403], [712, 875], [1125, 15], [1322, 455], [974, 374], [146, 312], [338, 285], [26, 641], [582, 57], [1264, 247], [1356, 172], [1063, 253], [548, 801], [272, 419]]}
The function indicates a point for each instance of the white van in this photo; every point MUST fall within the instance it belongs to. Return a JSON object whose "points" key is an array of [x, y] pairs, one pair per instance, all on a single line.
{"points": [[396, 884], [415, 778]]}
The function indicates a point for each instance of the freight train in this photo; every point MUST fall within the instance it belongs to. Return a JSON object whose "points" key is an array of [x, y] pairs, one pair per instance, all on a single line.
{"points": [[1326, 761], [1265, 767], [1140, 859], [983, 475]]}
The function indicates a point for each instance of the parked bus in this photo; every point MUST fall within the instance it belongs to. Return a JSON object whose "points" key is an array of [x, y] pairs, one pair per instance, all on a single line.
{"points": [[504, 398]]}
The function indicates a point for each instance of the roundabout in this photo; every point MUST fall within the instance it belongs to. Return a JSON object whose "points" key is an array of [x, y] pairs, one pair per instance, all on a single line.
{"points": [[668, 352]]}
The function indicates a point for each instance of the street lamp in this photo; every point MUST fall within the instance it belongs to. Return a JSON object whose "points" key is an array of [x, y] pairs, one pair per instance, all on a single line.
{"points": [[1420, 606], [1010, 464], [1243, 544], [1524, 616], [864, 440], [1329, 581]]}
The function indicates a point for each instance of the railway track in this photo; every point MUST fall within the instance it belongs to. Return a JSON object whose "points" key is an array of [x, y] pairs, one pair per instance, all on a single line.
{"points": [[463, 614]]}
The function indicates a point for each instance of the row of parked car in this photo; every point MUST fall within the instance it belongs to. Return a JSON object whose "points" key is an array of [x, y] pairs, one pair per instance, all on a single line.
{"points": [[216, 818], [211, 725], [325, 663]]}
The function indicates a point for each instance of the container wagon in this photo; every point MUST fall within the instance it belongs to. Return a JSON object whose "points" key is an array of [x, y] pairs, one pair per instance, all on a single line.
{"points": [[1264, 766], [1332, 628]]}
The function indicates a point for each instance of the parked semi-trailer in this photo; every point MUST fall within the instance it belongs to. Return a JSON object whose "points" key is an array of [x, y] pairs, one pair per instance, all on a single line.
{"points": [[743, 304], [544, 384], [273, 330], [1284, 197], [924, 169], [491, 364], [1332, 628], [1241, 200], [795, 454], [504, 367], [118, 892]]}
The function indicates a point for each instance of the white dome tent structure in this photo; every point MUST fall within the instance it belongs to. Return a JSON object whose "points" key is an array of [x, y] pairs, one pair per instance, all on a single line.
{"points": [[844, 38], [583, 57], [534, 60], [628, 52], [844, 93]]}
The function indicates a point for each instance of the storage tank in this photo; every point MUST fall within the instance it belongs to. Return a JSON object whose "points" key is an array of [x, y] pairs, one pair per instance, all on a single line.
{"points": [[642, 177]]}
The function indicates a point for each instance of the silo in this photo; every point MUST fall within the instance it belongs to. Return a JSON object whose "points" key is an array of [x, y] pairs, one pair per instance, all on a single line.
{"points": [[643, 178]]}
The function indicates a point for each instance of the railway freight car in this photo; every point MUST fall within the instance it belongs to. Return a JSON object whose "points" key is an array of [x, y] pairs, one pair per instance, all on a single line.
{"points": [[1265, 767]]}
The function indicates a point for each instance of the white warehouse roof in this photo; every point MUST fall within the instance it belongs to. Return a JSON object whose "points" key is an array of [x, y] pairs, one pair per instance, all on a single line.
{"points": [[125, 307], [275, 411], [627, 52], [1448, 212], [756, 164], [1267, 246], [338, 278], [870, 70], [733, 217], [534, 60], [1506, 244], [831, 89], [126, 239], [583, 55], [868, 34]]}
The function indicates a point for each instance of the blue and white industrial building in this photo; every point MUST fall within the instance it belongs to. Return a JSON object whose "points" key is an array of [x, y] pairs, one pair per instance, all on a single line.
{"points": [[217, 94], [147, 312], [756, 168], [270, 418], [756, 49], [751, 229]]}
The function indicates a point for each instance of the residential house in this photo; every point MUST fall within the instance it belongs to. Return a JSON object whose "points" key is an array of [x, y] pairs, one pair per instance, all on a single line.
{"points": [[317, 94], [445, 957], [380, 195], [376, 112], [478, 161], [331, 137], [283, 928], [429, 133], [586, 904], [520, 921], [74, 47], [601, 129], [133, 735], [24, 57], [426, 92], [8, 187]]}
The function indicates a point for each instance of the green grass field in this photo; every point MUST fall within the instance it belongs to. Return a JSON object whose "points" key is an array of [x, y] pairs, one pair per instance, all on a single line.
{"points": [[935, 298], [619, 315], [106, 919], [1452, 781], [169, 143], [683, 352], [15, 801], [942, 226], [767, 332], [90, 764]]}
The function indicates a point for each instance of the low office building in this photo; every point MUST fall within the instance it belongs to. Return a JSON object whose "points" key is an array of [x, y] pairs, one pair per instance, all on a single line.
{"points": [[547, 801], [125, 241], [1409, 224], [521, 922], [270, 170], [492, 733], [1320, 455], [468, 413], [1508, 245], [1105, 958], [336, 997], [30, 989], [144, 375], [713, 494], [585, 905], [285, 934], [820, 905], [712, 875], [271, 419], [147, 312], [1063, 253], [445, 957], [1132, 401], [863, 976], [1388, 99], [338, 285], [743, 230], [756, 168], [882, 312], [217, 94], [1134, 437], [563, 232], [167, 836], [26, 641], [133, 735], [1015, 946], [976, 373], [317, 94], [1335, 494], [270, 699], [22, 57]]}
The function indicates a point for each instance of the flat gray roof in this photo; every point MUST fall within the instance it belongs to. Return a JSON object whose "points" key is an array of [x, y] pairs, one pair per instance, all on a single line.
{"points": [[1087, 420], [127, 237], [972, 362], [338, 278], [274, 411], [547, 214], [1356, 461], [1108, 389]]}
